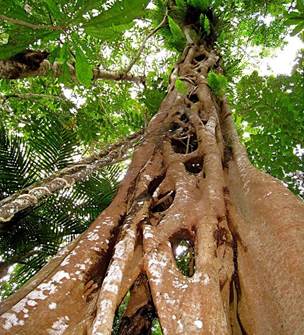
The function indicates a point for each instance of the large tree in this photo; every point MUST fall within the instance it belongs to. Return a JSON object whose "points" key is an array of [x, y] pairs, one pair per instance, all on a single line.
{"points": [[190, 187]]}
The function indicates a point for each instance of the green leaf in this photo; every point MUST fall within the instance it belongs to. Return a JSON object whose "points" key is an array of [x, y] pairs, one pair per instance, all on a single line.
{"points": [[120, 13], [294, 20], [181, 87], [181, 4], [300, 5], [83, 6], [201, 4], [84, 71], [66, 74], [206, 25], [175, 29], [218, 83], [109, 33], [63, 54], [13, 9], [298, 29], [54, 9]]}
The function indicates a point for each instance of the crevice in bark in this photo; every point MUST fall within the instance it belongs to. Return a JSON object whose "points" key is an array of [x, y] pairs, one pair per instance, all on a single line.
{"points": [[183, 250], [140, 311], [154, 184], [140, 323], [199, 58], [194, 165], [97, 273], [221, 236], [241, 325], [235, 320], [185, 144], [227, 156], [235, 275], [193, 98], [184, 118], [163, 202]]}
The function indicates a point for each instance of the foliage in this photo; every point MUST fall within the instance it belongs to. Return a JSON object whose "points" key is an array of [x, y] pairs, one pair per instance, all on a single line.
{"points": [[296, 18], [119, 313], [201, 4], [185, 258], [40, 21], [156, 328], [218, 83], [177, 36], [272, 109], [181, 86]]}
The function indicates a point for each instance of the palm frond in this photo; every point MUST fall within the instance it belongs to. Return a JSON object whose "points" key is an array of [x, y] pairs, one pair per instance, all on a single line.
{"points": [[17, 164], [55, 145]]}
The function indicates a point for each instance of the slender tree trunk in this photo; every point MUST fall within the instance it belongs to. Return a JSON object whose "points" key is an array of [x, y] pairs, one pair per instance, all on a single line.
{"points": [[66, 177], [190, 180]]}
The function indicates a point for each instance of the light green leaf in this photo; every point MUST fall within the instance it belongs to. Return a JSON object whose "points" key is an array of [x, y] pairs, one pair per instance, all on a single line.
{"points": [[66, 74], [217, 82], [83, 6], [84, 71], [206, 25], [120, 13], [175, 29], [181, 87], [63, 54]]}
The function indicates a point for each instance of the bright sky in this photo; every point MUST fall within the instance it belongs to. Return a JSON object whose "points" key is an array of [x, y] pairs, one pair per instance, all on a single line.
{"points": [[281, 61]]}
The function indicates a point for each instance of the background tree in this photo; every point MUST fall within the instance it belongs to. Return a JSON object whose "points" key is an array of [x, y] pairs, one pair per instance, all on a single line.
{"points": [[192, 215]]}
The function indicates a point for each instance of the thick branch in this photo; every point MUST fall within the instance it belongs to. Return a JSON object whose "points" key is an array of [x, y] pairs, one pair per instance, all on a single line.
{"points": [[34, 63], [66, 177]]}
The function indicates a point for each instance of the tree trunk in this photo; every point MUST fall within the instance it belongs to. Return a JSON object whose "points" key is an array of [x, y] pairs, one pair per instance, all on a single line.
{"points": [[190, 180]]}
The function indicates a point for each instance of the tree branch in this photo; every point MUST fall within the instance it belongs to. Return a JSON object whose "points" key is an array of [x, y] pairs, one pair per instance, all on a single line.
{"points": [[102, 74], [66, 177], [37, 65], [30, 25], [140, 50], [32, 96]]}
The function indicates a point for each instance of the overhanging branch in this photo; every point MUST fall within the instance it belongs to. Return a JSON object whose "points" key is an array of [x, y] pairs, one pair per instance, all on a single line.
{"points": [[34, 63], [66, 177]]}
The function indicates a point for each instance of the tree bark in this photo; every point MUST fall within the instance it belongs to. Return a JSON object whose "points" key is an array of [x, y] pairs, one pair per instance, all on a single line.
{"points": [[189, 180]]}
